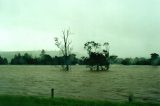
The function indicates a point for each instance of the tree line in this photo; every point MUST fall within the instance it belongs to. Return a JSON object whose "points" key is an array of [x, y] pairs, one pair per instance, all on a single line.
{"points": [[45, 59]]}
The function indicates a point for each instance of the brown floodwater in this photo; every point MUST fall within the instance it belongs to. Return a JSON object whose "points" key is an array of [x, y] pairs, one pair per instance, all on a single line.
{"points": [[141, 81]]}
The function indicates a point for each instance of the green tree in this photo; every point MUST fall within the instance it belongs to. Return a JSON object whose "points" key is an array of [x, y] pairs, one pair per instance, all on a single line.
{"points": [[113, 59], [3, 61], [126, 61], [154, 59], [98, 60]]}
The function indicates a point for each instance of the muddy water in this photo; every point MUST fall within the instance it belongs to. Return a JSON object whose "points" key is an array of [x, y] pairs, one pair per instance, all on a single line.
{"points": [[142, 81]]}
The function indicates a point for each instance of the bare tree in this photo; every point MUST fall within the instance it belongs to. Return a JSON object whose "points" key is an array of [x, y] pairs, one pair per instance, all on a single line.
{"points": [[65, 47]]}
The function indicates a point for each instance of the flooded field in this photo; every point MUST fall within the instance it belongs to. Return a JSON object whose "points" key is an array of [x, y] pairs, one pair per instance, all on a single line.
{"points": [[141, 81]]}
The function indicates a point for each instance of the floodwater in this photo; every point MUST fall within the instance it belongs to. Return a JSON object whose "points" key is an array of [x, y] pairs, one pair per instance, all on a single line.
{"points": [[115, 85]]}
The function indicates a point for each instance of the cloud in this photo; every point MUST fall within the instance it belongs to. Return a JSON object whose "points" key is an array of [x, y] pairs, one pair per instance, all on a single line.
{"points": [[126, 24]]}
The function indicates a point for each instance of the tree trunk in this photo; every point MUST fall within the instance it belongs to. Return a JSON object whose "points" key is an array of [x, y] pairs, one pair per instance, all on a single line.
{"points": [[67, 67], [66, 64], [97, 67]]}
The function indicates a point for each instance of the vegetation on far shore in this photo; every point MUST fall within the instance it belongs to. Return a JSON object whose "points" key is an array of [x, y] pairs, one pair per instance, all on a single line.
{"points": [[46, 59], [6, 100]]}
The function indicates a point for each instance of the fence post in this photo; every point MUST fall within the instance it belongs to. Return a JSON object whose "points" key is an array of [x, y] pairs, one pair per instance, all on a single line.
{"points": [[130, 97], [52, 93]]}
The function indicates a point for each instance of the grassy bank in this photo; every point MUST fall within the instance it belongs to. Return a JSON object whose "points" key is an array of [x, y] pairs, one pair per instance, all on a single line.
{"points": [[35, 101]]}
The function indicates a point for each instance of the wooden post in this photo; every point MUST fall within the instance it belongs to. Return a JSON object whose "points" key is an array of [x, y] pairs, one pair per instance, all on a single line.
{"points": [[52, 93], [130, 98]]}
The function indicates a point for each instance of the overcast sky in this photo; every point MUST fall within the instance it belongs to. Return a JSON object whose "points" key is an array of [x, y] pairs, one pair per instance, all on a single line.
{"points": [[132, 27]]}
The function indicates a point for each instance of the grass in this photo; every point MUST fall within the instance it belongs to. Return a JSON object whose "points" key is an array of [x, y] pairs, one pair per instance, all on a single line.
{"points": [[36, 101]]}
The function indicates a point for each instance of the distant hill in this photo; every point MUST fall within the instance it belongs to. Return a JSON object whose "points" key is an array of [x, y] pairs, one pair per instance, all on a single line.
{"points": [[10, 54]]}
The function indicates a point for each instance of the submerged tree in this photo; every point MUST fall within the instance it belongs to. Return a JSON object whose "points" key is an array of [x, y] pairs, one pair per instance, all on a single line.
{"points": [[65, 48], [154, 59], [98, 59]]}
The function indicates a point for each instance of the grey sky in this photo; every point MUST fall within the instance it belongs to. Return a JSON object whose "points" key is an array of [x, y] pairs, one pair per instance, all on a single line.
{"points": [[130, 26]]}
